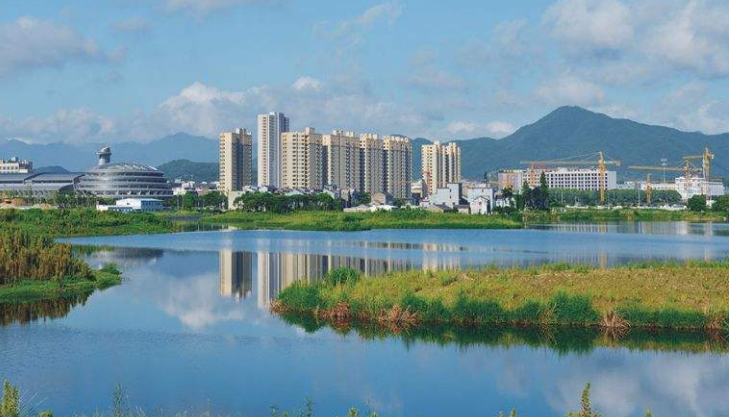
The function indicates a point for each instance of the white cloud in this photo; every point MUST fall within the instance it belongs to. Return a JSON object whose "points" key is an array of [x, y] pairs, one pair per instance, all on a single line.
{"points": [[29, 43], [691, 107], [69, 125], [591, 24], [350, 33], [307, 84], [570, 89], [132, 25], [202, 8], [496, 129]]}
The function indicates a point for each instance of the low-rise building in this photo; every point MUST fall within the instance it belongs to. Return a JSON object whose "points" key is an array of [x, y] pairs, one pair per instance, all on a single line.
{"points": [[38, 184], [698, 186], [450, 195], [587, 179], [481, 205], [128, 205], [15, 165]]}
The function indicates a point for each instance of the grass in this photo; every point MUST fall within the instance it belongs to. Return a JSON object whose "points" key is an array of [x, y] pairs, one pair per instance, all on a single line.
{"points": [[85, 222], [11, 405], [340, 221], [686, 296], [39, 290], [620, 215]]}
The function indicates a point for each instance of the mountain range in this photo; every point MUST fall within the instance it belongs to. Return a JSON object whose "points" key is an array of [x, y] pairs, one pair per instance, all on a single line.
{"points": [[565, 132]]}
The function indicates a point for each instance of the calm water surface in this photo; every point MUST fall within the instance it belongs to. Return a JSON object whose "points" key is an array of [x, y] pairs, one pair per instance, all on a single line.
{"points": [[190, 331]]}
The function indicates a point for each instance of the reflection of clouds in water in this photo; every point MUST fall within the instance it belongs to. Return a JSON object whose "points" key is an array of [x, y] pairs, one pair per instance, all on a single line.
{"points": [[195, 301], [666, 384]]}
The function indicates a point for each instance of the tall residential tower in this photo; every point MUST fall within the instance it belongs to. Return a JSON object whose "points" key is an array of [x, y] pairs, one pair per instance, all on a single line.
{"points": [[236, 160], [441, 165], [270, 128]]}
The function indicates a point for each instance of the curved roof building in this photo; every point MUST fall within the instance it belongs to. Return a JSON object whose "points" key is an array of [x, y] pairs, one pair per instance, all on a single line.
{"points": [[124, 180]]}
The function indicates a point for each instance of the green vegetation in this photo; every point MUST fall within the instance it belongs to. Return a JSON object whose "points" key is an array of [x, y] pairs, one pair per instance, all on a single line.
{"points": [[84, 222], [191, 201], [691, 296], [11, 406], [33, 267], [696, 203], [619, 215], [624, 198], [340, 221], [190, 171], [278, 203]]}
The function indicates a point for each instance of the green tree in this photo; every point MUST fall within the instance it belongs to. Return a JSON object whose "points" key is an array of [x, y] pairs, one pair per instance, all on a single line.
{"points": [[696, 203], [721, 204]]}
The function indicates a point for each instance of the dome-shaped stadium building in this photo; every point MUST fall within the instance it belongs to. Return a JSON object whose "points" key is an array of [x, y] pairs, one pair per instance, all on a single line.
{"points": [[124, 180]]}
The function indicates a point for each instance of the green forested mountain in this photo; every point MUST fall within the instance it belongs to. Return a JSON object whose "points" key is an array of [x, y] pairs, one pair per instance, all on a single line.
{"points": [[572, 131], [189, 170]]}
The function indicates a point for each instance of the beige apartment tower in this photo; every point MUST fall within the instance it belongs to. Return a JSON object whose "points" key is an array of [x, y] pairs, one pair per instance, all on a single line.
{"points": [[236, 160], [398, 166], [441, 165], [372, 166], [341, 160], [302, 160], [270, 128]]}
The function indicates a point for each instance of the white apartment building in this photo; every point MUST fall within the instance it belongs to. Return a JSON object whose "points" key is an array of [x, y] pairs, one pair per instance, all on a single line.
{"points": [[270, 128], [570, 178], [698, 186], [342, 162], [236, 160], [580, 179], [441, 165], [15, 165], [302, 160]]}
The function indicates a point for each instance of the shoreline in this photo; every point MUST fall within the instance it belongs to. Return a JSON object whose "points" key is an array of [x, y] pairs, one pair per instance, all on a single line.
{"points": [[30, 291]]}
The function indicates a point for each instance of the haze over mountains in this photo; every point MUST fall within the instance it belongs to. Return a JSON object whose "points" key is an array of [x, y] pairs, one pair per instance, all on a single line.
{"points": [[566, 132]]}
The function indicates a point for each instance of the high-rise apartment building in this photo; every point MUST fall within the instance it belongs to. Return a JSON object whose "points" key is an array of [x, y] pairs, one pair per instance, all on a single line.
{"points": [[236, 160], [302, 160], [366, 163], [341, 160], [371, 157], [441, 165], [398, 166], [270, 128]]}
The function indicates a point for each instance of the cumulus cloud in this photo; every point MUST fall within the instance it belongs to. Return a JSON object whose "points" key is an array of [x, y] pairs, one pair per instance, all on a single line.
{"points": [[692, 107], [595, 25], [653, 36], [132, 25], [496, 129], [29, 43], [350, 33], [202, 8], [570, 89], [69, 125], [307, 84]]}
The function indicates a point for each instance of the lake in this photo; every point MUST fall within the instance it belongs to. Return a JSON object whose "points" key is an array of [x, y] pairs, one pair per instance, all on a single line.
{"points": [[189, 330]]}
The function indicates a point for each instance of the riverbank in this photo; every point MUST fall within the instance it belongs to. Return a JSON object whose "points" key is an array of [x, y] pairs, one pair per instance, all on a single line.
{"points": [[85, 222], [340, 221], [30, 291], [620, 215], [685, 296]]}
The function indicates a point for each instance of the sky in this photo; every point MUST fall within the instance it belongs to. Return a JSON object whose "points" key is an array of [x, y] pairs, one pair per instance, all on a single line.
{"points": [[82, 71]]}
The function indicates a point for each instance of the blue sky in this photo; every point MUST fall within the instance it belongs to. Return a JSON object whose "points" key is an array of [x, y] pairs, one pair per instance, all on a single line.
{"points": [[118, 70]]}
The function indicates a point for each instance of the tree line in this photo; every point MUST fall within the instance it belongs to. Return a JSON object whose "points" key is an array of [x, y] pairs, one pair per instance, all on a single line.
{"points": [[279, 203]]}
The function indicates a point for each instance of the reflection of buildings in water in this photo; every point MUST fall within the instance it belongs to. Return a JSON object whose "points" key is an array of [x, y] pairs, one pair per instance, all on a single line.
{"points": [[236, 274], [276, 271], [123, 257]]}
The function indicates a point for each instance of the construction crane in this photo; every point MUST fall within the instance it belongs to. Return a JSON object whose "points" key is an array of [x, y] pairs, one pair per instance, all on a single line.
{"points": [[706, 159], [601, 163], [687, 169]]}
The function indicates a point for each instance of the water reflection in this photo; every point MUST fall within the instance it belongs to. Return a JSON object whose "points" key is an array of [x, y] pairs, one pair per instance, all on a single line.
{"points": [[24, 313], [644, 228]]}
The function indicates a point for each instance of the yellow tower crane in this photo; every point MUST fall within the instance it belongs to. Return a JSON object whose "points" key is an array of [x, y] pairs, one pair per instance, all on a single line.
{"points": [[687, 169], [601, 162], [706, 159]]}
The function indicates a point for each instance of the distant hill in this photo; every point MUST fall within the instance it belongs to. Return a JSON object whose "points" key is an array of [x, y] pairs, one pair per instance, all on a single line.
{"points": [[188, 170], [573, 131], [53, 169], [81, 157]]}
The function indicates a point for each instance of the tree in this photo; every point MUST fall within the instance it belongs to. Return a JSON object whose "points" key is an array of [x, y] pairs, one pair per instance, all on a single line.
{"points": [[696, 203], [721, 204]]}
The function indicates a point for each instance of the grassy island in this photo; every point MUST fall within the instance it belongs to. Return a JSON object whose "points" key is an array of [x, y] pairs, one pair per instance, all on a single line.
{"points": [[687, 296], [34, 268], [620, 215], [340, 221]]}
